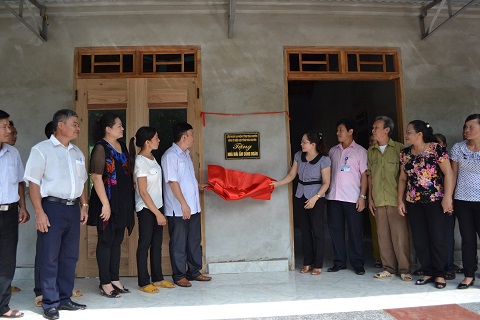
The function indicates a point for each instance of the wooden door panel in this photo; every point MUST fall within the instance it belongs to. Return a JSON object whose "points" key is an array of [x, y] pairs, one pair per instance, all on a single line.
{"points": [[135, 96]]}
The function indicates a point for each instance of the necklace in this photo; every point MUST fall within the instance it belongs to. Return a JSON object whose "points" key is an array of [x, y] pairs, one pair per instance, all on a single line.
{"points": [[415, 152]]}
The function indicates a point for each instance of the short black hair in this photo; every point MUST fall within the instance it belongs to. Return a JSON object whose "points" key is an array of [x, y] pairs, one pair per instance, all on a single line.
{"points": [[4, 115], [179, 130], [49, 129], [348, 123]]}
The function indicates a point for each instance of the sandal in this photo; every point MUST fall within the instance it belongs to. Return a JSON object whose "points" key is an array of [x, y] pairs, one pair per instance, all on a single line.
{"points": [[305, 269], [13, 314], [449, 276], [406, 277], [440, 285], [316, 271], [383, 274], [123, 290], [15, 289], [418, 272], [38, 301], [150, 288], [112, 294], [77, 293], [164, 284]]}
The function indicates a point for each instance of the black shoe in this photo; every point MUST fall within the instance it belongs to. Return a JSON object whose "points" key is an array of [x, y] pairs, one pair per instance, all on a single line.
{"points": [[72, 306], [421, 282], [465, 285], [335, 268], [418, 272], [124, 290], [449, 276], [360, 271], [378, 264], [51, 313]]}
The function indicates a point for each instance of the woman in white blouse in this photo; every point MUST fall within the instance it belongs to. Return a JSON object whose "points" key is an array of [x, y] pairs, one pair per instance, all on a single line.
{"points": [[149, 206], [465, 158]]}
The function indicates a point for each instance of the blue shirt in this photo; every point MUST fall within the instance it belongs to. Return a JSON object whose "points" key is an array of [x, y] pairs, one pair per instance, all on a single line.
{"points": [[11, 174], [178, 166]]}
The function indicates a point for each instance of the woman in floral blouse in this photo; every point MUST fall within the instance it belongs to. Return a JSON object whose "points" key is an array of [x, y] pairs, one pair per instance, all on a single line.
{"points": [[425, 197]]}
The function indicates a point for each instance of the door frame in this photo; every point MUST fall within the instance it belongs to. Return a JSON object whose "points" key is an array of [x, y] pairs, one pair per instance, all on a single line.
{"points": [[319, 67], [137, 80]]}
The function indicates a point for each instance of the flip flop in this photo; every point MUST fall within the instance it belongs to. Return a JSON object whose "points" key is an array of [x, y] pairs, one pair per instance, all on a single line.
{"points": [[164, 284], [13, 314], [15, 289], [38, 301], [149, 289], [77, 293], [406, 277]]}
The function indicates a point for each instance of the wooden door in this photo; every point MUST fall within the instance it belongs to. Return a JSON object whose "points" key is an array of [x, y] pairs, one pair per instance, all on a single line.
{"points": [[139, 99]]}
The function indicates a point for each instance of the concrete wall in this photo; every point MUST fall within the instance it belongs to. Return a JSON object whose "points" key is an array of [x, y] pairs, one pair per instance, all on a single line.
{"points": [[240, 75]]}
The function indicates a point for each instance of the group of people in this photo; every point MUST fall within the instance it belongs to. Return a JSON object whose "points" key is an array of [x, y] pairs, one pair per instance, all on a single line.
{"points": [[123, 183], [419, 187]]}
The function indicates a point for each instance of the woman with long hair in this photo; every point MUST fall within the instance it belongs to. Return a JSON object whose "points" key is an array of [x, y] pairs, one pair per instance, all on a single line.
{"points": [[147, 175], [111, 201], [465, 157], [425, 198], [312, 165]]}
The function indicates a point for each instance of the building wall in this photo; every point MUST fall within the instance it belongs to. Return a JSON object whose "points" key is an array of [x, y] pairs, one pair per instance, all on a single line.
{"points": [[241, 75]]}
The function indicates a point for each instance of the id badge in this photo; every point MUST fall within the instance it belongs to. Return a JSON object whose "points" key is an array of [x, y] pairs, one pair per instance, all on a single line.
{"points": [[345, 168]]}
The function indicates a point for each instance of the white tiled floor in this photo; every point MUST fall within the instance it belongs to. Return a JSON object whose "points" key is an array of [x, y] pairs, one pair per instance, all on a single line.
{"points": [[233, 296]]}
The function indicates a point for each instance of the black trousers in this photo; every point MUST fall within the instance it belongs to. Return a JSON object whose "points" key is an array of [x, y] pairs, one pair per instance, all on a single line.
{"points": [[185, 246], [427, 223], [58, 249], [150, 237], [339, 212], [8, 254], [108, 256], [312, 228], [468, 214]]}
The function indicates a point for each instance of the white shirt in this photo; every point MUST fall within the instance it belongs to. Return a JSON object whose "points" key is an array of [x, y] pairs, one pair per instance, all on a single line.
{"points": [[11, 174], [178, 166], [58, 170], [150, 169]]}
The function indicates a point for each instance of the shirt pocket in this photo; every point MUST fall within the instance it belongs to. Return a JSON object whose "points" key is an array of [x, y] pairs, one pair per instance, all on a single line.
{"points": [[153, 172], [392, 164]]}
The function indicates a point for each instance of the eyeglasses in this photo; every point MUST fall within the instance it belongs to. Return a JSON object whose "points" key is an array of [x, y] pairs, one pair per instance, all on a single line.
{"points": [[305, 142]]}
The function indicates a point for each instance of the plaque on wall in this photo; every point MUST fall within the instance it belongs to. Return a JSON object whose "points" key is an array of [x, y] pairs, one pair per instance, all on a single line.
{"points": [[242, 145]]}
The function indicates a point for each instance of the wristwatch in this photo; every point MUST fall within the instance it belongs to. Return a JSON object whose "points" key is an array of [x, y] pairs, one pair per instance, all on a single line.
{"points": [[318, 196], [364, 197]]}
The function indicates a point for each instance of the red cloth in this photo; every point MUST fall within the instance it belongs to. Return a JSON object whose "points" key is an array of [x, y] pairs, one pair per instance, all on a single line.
{"points": [[236, 185]]}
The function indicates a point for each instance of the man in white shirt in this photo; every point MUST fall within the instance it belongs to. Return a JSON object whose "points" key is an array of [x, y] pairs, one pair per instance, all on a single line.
{"points": [[11, 198], [182, 208], [56, 174]]}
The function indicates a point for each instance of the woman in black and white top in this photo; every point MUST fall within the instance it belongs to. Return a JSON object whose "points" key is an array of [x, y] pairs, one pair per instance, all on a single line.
{"points": [[149, 206], [312, 165], [465, 158]]}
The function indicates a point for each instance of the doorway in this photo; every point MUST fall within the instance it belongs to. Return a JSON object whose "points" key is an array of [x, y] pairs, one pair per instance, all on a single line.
{"points": [[325, 85], [145, 86]]}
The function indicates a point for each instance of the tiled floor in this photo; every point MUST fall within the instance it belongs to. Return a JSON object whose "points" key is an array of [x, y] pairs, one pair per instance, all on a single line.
{"points": [[277, 295]]}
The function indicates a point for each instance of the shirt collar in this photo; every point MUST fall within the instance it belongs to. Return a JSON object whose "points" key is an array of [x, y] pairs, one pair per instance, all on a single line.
{"points": [[314, 161], [57, 143], [5, 149], [390, 143], [352, 145], [178, 150]]}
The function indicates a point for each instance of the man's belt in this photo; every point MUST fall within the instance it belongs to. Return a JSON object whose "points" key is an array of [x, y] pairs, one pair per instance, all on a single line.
{"points": [[6, 207], [68, 202], [307, 183]]}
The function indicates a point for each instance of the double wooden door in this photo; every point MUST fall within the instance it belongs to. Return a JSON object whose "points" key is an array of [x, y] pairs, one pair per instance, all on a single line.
{"points": [[157, 102]]}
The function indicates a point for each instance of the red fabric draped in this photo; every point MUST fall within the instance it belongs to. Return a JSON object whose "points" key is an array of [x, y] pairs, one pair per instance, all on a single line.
{"points": [[236, 185]]}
